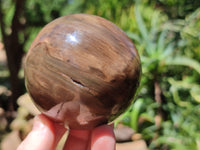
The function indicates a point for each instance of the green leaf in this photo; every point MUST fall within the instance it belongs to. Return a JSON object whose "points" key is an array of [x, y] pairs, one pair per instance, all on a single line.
{"points": [[135, 113], [134, 37], [175, 86], [195, 93], [161, 42], [168, 51], [141, 25], [184, 61]]}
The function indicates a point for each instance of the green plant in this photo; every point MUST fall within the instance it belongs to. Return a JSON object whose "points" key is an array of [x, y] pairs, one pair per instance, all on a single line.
{"points": [[169, 87]]}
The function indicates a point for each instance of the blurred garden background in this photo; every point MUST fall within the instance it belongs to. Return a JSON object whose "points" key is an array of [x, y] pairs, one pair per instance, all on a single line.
{"points": [[166, 113]]}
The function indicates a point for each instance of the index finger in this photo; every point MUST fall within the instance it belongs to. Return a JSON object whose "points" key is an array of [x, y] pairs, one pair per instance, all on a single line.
{"points": [[100, 138]]}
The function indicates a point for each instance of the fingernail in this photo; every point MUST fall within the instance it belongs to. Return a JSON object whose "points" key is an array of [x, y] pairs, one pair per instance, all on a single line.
{"points": [[105, 142], [37, 123]]}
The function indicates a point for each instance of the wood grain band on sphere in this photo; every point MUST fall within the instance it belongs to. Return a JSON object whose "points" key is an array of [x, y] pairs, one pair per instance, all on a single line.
{"points": [[84, 59]]}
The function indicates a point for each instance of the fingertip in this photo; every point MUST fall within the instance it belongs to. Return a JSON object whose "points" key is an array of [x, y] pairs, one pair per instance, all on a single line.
{"points": [[42, 120], [103, 138], [43, 135], [56, 128], [103, 130], [77, 139]]}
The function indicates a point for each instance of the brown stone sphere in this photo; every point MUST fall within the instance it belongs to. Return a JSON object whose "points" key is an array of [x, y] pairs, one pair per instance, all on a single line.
{"points": [[82, 70]]}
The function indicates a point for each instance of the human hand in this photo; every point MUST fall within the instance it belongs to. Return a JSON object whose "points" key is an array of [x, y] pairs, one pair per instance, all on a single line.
{"points": [[46, 134]]}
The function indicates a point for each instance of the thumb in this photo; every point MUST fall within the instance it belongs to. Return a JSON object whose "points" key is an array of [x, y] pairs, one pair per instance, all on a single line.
{"points": [[44, 135]]}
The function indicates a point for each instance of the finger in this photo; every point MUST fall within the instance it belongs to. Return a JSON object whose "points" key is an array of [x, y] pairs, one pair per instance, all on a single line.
{"points": [[59, 131], [78, 140], [44, 135], [102, 138]]}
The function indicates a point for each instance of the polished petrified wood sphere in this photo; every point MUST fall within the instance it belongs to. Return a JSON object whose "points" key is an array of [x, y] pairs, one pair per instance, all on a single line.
{"points": [[82, 70]]}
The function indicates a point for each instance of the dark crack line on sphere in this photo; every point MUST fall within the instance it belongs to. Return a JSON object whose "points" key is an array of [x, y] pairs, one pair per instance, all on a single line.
{"points": [[59, 109], [77, 82]]}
